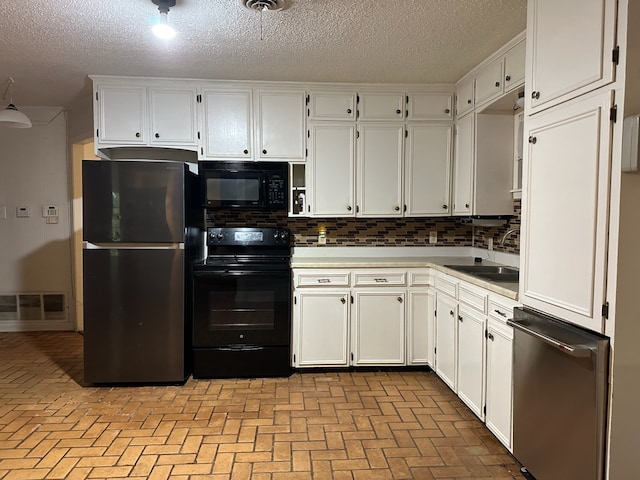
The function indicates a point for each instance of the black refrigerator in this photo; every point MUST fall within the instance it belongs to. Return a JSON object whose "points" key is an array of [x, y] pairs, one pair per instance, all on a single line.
{"points": [[142, 231]]}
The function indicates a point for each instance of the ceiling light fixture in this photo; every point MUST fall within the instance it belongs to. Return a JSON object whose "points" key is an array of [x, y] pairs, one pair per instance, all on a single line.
{"points": [[11, 116], [162, 29]]}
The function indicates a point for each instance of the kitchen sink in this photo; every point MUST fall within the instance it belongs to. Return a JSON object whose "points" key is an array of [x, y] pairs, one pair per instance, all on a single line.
{"points": [[494, 273]]}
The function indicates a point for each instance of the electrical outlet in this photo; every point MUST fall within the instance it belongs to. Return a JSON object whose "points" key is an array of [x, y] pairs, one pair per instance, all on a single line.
{"points": [[322, 238], [490, 244], [433, 237]]}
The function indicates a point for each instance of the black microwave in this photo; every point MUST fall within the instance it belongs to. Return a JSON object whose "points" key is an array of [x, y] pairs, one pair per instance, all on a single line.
{"points": [[250, 185]]}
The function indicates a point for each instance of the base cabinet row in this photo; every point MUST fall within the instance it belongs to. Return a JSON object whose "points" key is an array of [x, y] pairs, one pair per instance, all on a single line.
{"points": [[360, 324], [473, 351]]}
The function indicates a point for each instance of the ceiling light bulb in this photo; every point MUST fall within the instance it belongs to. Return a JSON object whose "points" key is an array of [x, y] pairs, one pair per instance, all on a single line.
{"points": [[162, 29]]}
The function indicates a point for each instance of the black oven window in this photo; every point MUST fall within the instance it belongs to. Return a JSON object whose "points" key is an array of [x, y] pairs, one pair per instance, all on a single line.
{"points": [[233, 189], [241, 310]]}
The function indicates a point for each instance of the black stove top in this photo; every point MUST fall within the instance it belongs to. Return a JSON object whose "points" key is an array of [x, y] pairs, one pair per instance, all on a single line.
{"points": [[247, 246]]}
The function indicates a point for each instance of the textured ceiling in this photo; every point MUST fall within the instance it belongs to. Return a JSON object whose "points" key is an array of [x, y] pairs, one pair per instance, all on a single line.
{"points": [[50, 46]]}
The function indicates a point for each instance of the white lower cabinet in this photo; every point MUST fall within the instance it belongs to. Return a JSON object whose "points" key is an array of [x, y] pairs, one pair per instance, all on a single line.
{"points": [[446, 344], [322, 327], [473, 350], [378, 327], [471, 344], [364, 317], [499, 380]]}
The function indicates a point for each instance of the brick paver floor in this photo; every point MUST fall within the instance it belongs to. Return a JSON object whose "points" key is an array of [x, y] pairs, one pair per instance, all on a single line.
{"points": [[311, 426]]}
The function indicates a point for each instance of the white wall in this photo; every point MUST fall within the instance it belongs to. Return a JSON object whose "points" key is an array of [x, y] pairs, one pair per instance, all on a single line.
{"points": [[35, 257]]}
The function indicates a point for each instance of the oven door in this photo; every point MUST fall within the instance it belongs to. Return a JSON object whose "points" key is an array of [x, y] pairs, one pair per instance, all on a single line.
{"points": [[241, 307]]}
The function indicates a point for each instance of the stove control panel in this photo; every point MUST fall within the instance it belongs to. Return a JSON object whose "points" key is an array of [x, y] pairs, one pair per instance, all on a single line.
{"points": [[247, 236]]}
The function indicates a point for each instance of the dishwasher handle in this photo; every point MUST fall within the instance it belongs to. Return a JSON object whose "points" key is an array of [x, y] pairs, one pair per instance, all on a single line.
{"points": [[573, 350]]}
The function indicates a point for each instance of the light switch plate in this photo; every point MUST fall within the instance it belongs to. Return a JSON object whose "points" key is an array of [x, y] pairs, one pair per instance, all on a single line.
{"points": [[322, 238], [49, 211], [433, 236], [490, 244]]}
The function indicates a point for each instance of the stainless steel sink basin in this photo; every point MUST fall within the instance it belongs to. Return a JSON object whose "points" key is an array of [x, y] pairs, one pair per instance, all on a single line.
{"points": [[495, 273]]}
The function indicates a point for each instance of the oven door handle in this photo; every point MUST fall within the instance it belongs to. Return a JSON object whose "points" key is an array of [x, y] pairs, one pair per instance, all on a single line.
{"points": [[235, 273]]}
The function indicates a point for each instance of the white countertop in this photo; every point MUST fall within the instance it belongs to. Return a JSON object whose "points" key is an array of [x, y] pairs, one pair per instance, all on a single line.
{"points": [[407, 258]]}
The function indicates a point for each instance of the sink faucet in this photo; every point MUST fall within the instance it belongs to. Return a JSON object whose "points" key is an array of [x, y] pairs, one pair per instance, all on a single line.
{"points": [[509, 232]]}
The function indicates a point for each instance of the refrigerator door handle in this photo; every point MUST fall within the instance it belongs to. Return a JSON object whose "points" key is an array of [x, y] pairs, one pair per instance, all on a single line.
{"points": [[574, 350], [132, 246]]}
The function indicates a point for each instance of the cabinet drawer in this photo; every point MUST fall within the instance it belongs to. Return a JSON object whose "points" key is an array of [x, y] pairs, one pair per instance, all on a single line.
{"points": [[445, 285], [472, 297], [501, 308], [320, 279], [368, 279], [419, 278]]}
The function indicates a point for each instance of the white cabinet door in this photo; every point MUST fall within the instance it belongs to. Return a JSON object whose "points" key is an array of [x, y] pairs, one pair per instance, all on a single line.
{"points": [[427, 171], [464, 97], [381, 106], [429, 106], [280, 125], [471, 341], [172, 114], [499, 380], [569, 49], [122, 115], [567, 163], [489, 82], [332, 106], [379, 170], [227, 124], [446, 339], [514, 66], [321, 328], [463, 166], [378, 327], [332, 167], [419, 336]]}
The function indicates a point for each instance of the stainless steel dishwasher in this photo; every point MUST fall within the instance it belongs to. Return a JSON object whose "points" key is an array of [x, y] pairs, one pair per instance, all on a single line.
{"points": [[560, 385]]}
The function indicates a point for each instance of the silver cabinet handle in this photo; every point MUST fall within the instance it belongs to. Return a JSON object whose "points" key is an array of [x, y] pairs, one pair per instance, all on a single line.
{"points": [[343, 300], [400, 299], [324, 280], [460, 318], [451, 312], [490, 336], [381, 280], [535, 95], [502, 314]]}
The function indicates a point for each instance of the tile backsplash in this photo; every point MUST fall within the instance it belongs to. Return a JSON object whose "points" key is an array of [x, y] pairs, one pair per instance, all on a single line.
{"points": [[401, 232], [481, 235]]}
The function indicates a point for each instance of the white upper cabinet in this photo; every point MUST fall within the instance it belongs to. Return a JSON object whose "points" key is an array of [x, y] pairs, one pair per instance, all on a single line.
{"points": [[332, 168], [375, 106], [227, 124], [136, 115], [569, 49], [173, 116], [122, 115], [332, 106], [427, 169], [429, 106], [463, 166], [489, 84], [464, 97], [379, 170], [514, 66], [563, 257], [280, 125]]}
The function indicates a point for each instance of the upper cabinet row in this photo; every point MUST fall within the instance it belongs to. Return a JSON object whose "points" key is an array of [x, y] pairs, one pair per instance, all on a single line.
{"points": [[166, 116], [499, 76]]}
